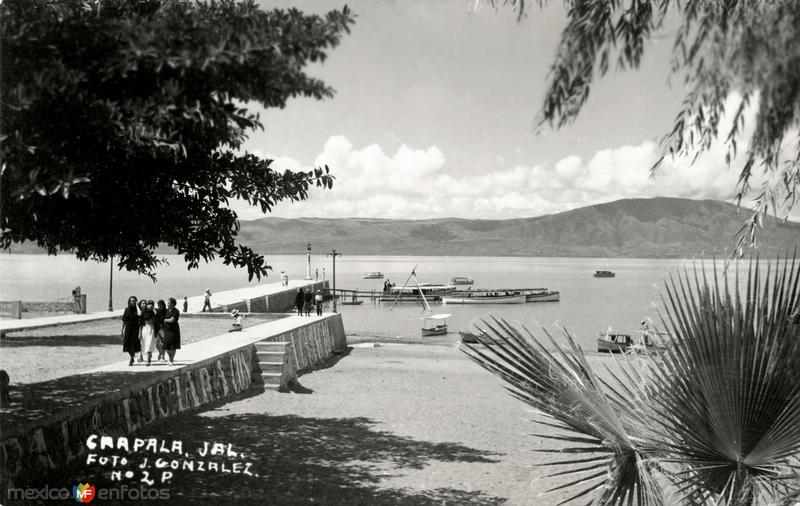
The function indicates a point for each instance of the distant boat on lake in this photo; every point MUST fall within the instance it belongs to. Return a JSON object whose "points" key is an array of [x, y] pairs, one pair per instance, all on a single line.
{"points": [[372, 275], [604, 274], [483, 297], [460, 280]]}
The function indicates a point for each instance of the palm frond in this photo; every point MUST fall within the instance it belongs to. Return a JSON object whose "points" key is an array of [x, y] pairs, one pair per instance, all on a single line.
{"points": [[595, 415], [717, 414]]}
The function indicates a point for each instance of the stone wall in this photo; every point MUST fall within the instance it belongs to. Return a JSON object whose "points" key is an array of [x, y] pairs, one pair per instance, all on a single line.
{"points": [[279, 302], [40, 448], [11, 308]]}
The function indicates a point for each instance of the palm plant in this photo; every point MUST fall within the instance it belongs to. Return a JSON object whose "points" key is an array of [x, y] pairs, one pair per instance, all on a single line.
{"points": [[714, 418]]}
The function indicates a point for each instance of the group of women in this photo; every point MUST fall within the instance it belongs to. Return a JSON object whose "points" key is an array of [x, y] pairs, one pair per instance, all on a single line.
{"points": [[150, 328]]}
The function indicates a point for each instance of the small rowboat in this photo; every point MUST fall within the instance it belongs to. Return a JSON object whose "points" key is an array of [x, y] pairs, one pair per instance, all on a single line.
{"points": [[372, 275], [483, 298], [613, 343], [604, 274]]}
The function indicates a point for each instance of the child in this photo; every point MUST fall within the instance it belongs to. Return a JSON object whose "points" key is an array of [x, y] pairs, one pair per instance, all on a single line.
{"points": [[237, 321]]}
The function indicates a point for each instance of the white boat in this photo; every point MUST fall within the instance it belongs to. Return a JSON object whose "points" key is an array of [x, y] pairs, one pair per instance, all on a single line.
{"points": [[459, 280], [483, 297], [424, 288], [435, 325], [372, 275]]}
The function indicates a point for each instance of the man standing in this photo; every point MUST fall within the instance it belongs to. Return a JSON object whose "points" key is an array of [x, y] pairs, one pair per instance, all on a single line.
{"points": [[207, 301]]}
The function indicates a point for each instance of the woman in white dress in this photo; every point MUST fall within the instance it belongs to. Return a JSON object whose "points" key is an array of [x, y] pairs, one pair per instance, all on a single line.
{"points": [[149, 330]]}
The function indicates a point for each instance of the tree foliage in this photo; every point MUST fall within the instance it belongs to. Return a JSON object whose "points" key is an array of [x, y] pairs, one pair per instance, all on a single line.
{"points": [[749, 49], [123, 121], [714, 419]]}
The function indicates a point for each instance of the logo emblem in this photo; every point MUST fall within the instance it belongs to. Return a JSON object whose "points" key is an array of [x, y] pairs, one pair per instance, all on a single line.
{"points": [[83, 492]]}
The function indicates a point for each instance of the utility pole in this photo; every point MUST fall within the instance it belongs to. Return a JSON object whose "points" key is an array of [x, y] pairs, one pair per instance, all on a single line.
{"points": [[308, 262], [110, 283], [334, 254]]}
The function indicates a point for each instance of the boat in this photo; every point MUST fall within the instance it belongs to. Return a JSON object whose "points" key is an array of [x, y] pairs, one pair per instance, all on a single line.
{"points": [[604, 274], [483, 297], [610, 342], [435, 325], [541, 295], [459, 280], [426, 289], [372, 275]]}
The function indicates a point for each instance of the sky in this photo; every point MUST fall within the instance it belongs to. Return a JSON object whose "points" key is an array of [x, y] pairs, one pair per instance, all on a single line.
{"points": [[435, 111]]}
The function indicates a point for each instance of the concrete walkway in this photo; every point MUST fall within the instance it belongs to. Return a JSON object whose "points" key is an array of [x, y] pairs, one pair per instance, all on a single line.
{"points": [[219, 299], [36, 401]]}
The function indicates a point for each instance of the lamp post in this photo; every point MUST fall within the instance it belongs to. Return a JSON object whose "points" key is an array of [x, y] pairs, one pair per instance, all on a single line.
{"points": [[334, 254], [308, 262], [110, 283]]}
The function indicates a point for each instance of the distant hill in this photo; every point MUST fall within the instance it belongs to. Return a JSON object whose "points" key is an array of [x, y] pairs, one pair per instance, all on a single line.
{"points": [[659, 227]]}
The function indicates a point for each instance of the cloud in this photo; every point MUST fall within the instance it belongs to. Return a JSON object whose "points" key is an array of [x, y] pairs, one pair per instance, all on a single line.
{"points": [[417, 183]]}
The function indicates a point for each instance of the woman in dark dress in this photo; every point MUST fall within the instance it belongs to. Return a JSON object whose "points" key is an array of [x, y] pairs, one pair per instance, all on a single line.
{"points": [[161, 312], [172, 331], [299, 301], [308, 298], [130, 330]]}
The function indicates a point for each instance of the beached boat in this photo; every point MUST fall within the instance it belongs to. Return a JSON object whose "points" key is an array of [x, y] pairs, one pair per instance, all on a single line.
{"points": [[610, 342], [435, 325], [604, 274], [483, 297], [372, 275], [459, 280]]}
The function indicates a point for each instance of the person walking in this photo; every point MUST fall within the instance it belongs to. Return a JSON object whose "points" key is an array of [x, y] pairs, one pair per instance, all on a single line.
{"points": [[299, 300], [130, 329], [142, 306], [318, 302], [149, 330], [207, 301], [161, 311], [172, 330], [308, 300], [185, 304]]}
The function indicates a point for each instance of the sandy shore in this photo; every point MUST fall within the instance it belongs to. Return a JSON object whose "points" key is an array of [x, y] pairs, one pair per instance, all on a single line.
{"points": [[395, 424]]}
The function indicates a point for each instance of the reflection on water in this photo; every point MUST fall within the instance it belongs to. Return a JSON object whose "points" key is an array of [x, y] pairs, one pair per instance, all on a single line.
{"points": [[587, 306]]}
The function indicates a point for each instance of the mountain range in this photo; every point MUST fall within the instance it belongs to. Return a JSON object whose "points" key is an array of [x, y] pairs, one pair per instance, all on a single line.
{"points": [[637, 228], [657, 227]]}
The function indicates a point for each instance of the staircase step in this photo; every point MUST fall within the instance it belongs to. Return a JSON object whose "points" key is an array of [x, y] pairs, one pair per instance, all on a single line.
{"points": [[273, 378], [271, 366], [272, 356], [271, 345]]}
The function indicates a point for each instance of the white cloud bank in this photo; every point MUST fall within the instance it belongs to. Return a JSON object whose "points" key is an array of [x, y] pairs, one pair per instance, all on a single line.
{"points": [[417, 183]]}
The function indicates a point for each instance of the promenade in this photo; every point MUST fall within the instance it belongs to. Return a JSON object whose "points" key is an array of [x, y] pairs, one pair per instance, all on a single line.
{"points": [[219, 301]]}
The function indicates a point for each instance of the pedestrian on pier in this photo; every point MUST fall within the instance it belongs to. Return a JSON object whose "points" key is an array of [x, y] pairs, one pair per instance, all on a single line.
{"points": [[185, 304], [318, 302], [207, 301], [284, 279], [172, 331], [161, 312], [308, 300], [299, 300], [130, 329]]}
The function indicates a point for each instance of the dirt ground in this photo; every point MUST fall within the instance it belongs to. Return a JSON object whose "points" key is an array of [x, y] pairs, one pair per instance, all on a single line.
{"points": [[32, 356], [395, 424]]}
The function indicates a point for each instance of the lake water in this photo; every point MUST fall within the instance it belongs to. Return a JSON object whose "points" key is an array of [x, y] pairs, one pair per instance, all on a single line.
{"points": [[587, 306]]}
